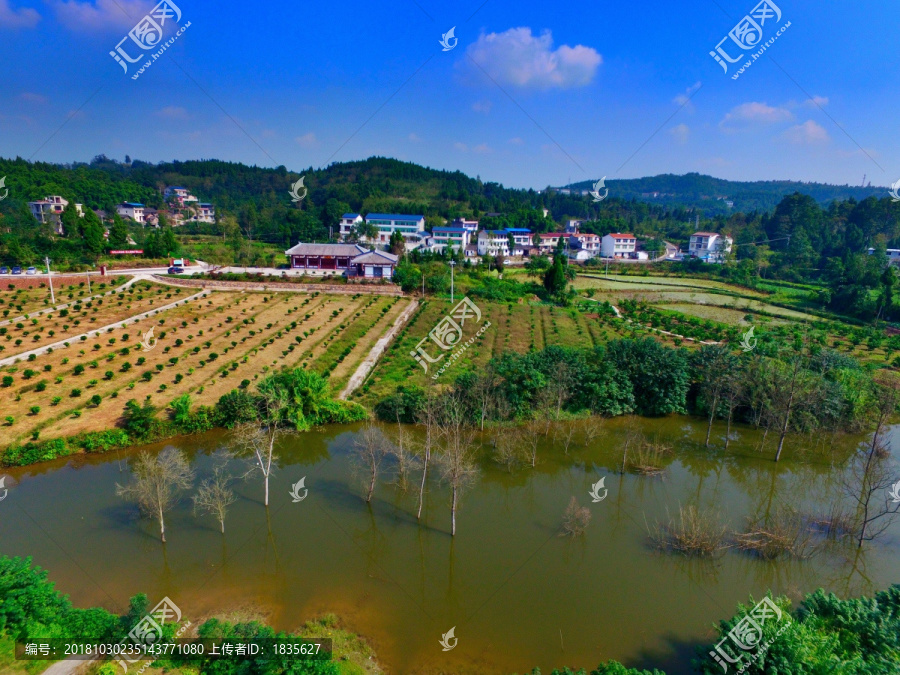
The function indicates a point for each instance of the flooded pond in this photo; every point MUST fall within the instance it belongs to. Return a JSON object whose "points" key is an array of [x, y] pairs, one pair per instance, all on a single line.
{"points": [[518, 594]]}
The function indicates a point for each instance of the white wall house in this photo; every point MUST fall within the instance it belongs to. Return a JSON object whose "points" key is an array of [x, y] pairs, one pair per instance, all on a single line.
{"points": [[892, 254], [710, 246], [493, 242], [455, 237], [53, 205], [587, 242], [131, 210], [412, 228], [204, 213], [522, 237], [348, 222], [618, 245]]}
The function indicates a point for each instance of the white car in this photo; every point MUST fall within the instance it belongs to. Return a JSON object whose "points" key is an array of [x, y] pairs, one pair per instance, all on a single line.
{"points": [[31, 270]]}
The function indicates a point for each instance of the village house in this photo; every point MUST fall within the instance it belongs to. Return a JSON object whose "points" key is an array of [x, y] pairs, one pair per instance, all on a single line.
{"points": [[51, 208], [352, 260], [550, 240], [454, 237], [348, 222], [411, 227], [470, 225], [618, 245], [587, 242], [131, 210], [710, 247]]}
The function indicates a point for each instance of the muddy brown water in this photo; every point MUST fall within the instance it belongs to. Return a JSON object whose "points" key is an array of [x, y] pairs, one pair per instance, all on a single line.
{"points": [[518, 594]]}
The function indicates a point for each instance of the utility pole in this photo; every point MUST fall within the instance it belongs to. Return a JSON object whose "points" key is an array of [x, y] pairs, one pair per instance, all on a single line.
{"points": [[50, 280], [452, 265]]}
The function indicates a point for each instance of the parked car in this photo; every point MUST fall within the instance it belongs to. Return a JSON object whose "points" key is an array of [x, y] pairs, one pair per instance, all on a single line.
{"points": [[176, 270], [4, 270], [31, 270], [17, 270]]}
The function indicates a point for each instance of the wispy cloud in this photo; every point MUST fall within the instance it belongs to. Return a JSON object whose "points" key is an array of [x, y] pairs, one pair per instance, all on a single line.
{"points": [[415, 138], [816, 102], [307, 140], [685, 98], [173, 112], [808, 133], [753, 113], [31, 97], [520, 59], [516, 141], [680, 133], [482, 149], [462, 147], [23, 17], [100, 15], [482, 106]]}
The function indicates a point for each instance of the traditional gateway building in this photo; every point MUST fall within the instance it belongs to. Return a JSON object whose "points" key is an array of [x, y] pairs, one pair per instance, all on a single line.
{"points": [[351, 260]]}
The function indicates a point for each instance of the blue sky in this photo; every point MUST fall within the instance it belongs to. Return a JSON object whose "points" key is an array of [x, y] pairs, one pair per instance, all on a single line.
{"points": [[532, 94]]}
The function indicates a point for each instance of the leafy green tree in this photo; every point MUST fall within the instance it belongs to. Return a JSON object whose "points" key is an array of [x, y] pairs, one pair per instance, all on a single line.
{"points": [[71, 221], [92, 233], [139, 419], [118, 233], [397, 244]]}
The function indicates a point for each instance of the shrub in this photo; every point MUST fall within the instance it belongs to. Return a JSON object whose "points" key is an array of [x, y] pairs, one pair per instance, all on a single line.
{"points": [[41, 386], [35, 409], [76, 393], [95, 400]]}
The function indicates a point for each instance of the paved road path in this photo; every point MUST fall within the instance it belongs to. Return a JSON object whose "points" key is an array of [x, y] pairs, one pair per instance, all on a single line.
{"points": [[366, 366]]}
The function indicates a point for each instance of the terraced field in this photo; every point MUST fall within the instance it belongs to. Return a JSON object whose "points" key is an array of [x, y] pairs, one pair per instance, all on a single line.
{"points": [[204, 347]]}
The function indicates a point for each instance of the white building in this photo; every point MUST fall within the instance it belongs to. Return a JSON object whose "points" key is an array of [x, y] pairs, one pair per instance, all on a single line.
{"points": [[493, 242], [587, 242], [893, 255], [618, 245], [710, 246], [470, 225], [204, 213], [131, 210], [410, 226], [455, 237], [53, 205], [522, 238], [348, 222]]}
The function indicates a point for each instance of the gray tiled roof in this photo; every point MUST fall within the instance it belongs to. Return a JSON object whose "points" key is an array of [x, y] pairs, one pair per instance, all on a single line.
{"points": [[326, 249], [376, 257]]}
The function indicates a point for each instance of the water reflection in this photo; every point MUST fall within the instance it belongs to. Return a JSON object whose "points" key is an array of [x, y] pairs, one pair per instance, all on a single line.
{"points": [[520, 595]]}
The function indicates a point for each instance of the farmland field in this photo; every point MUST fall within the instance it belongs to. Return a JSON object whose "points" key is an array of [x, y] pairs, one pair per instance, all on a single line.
{"points": [[514, 327], [205, 347]]}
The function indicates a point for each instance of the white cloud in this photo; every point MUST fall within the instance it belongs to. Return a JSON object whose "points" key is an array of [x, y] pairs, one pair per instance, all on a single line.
{"points": [[816, 102], [516, 141], [24, 17], [756, 112], [482, 149], [518, 58], [173, 112], [307, 140], [100, 15], [482, 106], [680, 133], [415, 138], [808, 133], [31, 97], [684, 99]]}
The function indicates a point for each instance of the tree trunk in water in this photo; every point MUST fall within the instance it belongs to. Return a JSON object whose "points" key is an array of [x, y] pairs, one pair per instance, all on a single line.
{"points": [[784, 429], [267, 490], [162, 526], [422, 488], [371, 489], [728, 431], [223, 525], [453, 514], [712, 414]]}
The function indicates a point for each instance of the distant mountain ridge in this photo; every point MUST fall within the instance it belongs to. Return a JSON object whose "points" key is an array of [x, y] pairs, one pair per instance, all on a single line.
{"points": [[710, 193]]}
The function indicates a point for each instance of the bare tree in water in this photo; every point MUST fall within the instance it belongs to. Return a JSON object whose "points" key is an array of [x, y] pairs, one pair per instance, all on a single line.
{"points": [[369, 450], [215, 496], [870, 481], [157, 483], [458, 467], [428, 417], [256, 440]]}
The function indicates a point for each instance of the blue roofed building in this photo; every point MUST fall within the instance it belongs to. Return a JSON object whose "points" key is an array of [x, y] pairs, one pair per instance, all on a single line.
{"points": [[412, 227]]}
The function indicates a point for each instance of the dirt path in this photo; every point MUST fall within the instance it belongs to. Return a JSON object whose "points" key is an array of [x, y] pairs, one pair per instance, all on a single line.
{"points": [[369, 362]]}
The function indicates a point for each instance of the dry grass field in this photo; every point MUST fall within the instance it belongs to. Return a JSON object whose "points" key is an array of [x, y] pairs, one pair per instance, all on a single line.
{"points": [[205, 348]]}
